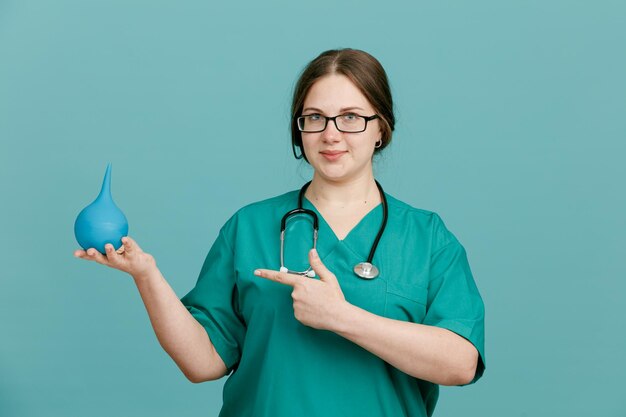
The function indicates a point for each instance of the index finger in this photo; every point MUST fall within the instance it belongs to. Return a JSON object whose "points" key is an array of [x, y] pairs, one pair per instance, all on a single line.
{"points": [[277, 276]]}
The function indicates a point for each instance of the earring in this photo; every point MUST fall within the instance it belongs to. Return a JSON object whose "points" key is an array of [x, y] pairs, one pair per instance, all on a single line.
{"points": [[293, 148], [378, 144]]}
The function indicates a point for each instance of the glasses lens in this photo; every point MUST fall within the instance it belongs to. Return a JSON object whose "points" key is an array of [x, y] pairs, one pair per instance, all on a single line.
{"points": [[351, 123], [312, 123]]}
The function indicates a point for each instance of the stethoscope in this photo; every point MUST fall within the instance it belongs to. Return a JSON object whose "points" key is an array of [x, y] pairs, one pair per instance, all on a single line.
{"points": [[365, 270]]}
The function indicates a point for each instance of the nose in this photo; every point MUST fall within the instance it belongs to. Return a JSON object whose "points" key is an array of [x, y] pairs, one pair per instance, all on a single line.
{"points": [[331, 133]]}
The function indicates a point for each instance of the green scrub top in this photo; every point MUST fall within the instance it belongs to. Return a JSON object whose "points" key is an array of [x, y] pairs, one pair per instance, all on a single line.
{"points": [[282, 368]]}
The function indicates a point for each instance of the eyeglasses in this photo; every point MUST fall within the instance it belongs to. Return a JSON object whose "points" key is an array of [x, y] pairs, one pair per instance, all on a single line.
{"points": [[347, 123]]}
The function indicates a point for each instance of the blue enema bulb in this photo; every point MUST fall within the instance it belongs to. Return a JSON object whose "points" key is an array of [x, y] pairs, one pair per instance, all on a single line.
{"points": [[102, 221]]}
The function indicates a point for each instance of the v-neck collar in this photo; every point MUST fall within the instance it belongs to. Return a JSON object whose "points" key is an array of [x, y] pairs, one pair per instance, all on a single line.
{"points": [[359, 239]]}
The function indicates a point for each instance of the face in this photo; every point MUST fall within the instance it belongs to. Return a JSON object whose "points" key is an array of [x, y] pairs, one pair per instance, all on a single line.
{"points": [[337, 156]]}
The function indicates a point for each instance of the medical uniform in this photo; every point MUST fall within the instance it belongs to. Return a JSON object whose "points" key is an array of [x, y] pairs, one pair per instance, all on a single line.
{"points": [[282, 368]]}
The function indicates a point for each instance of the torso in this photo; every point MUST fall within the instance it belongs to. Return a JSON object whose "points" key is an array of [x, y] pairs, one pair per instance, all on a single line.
{"points": [[274, 343]]}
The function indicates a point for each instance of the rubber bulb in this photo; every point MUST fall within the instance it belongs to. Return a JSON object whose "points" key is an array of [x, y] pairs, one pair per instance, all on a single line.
{"points": [[102, 221]]}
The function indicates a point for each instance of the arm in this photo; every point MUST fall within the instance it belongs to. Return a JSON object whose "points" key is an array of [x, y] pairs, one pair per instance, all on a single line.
{"points": [[425, 352], [178, 332]]}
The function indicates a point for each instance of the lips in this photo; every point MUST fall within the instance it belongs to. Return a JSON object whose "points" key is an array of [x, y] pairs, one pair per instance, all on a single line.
{"points": [[332, 155]]}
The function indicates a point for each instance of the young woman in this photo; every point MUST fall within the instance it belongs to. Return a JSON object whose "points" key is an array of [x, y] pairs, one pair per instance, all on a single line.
{"points": [[369, 322]]}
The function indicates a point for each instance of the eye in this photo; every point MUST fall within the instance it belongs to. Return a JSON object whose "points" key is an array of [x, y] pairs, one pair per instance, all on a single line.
{"points": [[313, 117], [349, 117]]}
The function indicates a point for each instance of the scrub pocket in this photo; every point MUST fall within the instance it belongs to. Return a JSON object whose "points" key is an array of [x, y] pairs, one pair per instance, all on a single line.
{"points": [[368, 294], [406, 302]]}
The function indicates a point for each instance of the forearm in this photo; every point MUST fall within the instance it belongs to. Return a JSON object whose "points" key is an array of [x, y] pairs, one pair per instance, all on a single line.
{"points": [[425, 352], [178, 332]]}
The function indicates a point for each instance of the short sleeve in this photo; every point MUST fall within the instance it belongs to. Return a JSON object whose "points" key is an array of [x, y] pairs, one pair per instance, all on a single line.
{"points": [[454, 302], [213, 302]]}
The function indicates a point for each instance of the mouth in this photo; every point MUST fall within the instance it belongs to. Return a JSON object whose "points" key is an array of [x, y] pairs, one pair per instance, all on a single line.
{"points": [[332, 155]]}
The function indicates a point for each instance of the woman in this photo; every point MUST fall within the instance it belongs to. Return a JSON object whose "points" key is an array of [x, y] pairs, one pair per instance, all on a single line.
{"points": [[325, 341]]}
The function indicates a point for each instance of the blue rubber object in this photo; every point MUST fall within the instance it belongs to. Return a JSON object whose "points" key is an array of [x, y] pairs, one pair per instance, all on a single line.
{"points": [[102, 221]]}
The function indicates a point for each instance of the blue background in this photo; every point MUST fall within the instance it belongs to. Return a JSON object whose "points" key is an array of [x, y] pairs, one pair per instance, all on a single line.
{"points": [[511, 126]]}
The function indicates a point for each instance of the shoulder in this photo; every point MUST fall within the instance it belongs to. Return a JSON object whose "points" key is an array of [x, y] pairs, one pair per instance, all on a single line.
{"points": [[268, 204], [405, 208], [428, 222], [264, 210], [261, 211]]}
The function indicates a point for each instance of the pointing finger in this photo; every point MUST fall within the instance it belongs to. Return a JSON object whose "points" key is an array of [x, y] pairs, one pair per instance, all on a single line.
{"points": [[320, 268], [277, 276]]}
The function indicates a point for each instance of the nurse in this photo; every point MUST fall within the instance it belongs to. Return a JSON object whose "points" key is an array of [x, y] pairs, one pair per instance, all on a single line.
{"points": [[335, 344]]}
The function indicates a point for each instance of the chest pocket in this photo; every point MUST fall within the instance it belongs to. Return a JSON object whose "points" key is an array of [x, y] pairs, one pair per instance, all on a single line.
{"points": [[406, 301]]}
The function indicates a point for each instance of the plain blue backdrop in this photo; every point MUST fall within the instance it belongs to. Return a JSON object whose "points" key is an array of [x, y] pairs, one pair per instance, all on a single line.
{"points": [[511, 126]]}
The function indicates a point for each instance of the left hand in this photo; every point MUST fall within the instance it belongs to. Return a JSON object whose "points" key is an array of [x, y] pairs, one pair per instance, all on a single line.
{"points": [[316, 303]]}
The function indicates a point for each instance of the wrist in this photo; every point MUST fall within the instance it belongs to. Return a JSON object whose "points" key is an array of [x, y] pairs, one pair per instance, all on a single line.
{"points": [[344, 317], [145, 275]]}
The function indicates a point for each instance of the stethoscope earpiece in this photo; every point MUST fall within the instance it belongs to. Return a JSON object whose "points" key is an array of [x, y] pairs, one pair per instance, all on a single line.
{"points": [[309, 272]]}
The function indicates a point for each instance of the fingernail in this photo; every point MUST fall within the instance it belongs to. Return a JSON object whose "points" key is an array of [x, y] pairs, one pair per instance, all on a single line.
{"points": [[257, 272], [314, 252]]}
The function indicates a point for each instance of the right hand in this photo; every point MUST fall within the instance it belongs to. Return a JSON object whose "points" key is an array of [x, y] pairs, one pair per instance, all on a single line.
{"points": [[129, 258]]}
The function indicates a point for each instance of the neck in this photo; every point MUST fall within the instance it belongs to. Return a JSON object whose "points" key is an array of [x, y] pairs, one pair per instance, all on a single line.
{"points": [[360, 190]]}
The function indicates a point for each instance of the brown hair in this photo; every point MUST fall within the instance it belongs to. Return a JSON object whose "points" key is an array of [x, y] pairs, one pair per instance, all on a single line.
{"points": [[364, 71]]}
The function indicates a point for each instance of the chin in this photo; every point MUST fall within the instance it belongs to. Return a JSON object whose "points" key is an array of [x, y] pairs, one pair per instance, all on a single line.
{"points": [[333, 175]]}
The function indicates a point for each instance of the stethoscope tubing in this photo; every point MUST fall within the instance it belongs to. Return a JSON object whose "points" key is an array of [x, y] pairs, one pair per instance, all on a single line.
{"points": [[364, 269]]}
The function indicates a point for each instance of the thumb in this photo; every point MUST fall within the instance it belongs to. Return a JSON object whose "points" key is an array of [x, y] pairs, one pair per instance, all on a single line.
{"points": [[320, 269], [130, 245]]}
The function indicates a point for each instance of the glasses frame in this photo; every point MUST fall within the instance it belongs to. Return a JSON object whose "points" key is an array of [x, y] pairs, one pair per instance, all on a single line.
{"points": [[334, 119]]}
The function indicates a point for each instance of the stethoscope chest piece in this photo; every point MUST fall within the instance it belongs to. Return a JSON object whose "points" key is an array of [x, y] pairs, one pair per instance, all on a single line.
{"points": [[366, 270]]}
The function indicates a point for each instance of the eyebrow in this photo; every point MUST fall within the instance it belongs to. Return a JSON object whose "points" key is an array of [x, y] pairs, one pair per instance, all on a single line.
{"points": [[345, 109]]}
